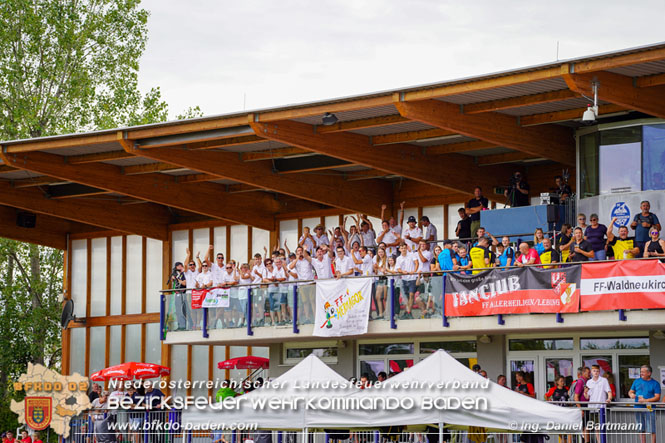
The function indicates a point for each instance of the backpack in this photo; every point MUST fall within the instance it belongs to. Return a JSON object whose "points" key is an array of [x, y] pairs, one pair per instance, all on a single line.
{"points": [[571, 390]]}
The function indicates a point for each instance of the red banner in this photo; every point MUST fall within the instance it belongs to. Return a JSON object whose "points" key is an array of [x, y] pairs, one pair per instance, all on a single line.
{"points": [[513, 291], [626, 284], [198, 295]]}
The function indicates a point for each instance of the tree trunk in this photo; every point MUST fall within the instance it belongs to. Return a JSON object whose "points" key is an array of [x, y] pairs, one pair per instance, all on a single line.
{"points": [[35, 284]]}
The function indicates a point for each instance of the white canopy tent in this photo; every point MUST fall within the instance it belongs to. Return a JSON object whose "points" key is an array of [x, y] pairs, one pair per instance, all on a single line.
{"points": [[504, 407], [309, 372]]}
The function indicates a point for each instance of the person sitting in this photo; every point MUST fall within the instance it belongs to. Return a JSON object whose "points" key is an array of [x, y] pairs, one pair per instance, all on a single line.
{"points": [[528, 256], [656, 246], [549, 254], [580, 249], [538, 237]]}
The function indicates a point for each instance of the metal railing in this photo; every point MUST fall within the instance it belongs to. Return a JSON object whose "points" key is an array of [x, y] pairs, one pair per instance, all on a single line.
{"points": [[292, 304], [616, 422]]}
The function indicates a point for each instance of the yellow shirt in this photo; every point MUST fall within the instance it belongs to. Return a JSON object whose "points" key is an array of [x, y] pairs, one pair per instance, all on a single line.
{"points": [[478, 255], [621, 246]]}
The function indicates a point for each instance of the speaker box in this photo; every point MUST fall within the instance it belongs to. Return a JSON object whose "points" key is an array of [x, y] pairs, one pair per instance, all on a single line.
{"points": [[26, 220], [552, 213]]}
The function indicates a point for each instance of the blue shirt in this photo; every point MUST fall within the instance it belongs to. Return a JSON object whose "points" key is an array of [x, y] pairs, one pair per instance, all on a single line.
{"points": [[540, 248], [463, 262], [646, 389], [642, 233], [446, 260], [505, 255]]}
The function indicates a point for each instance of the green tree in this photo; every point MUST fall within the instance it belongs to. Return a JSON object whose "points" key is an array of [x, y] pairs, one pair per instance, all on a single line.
{"points": [[65, 66]]}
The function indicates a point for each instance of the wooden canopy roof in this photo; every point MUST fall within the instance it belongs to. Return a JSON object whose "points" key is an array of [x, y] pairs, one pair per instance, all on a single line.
{"points": [[432, 143]]}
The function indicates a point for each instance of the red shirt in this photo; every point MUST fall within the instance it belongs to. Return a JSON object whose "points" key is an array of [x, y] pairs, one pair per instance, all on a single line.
{"points": [[26, 440], [6, 440], [525, 258]]}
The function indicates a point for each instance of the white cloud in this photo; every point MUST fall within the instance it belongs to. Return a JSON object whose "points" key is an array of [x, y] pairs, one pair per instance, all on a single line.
{"points": [[211, 53]]}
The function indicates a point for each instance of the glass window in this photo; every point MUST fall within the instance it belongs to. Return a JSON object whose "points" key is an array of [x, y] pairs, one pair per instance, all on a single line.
{"points": [[653, 157], [372, 368], [621, 168], [134, 275], [97, 349], [238, 243], [526, 366], [288, 231], [386, 349], [540, 344], [79, 274], [116, 275], [260, 240], [153, 344], [133, 343], [555, 367], [604, 361], [449, 346], [153, 274], [98, 278], [629, 371], [398, 366], [621, 136], [298, 353], [589, 165], [614, 343], [77, 353]]}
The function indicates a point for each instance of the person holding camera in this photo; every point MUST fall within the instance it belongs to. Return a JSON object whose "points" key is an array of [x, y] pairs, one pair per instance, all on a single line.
{"points": [[517, 193], [177, 280]]}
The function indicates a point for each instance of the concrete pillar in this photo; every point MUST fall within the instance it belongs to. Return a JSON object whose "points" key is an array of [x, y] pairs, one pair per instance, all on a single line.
{"points": [[656, 356], [492, 356]]}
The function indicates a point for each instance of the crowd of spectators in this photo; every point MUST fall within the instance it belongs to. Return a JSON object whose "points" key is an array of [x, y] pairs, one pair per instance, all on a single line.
{"points": [[24, 437], [405, 255]]}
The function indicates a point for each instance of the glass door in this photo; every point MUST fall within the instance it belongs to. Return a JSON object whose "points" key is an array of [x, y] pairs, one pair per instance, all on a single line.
{"points": [[555, 367], [528, 367]]}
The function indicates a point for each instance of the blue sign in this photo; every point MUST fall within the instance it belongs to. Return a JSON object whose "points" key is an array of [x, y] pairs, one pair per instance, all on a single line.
{"points": [[622, 214]]}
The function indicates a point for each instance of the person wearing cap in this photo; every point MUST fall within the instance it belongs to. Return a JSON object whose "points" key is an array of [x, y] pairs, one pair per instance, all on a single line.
{"points": [[517, 194], [412, 235], [320, 236], [476, 368], [474, 206], [447, 258], [429, 231], [367, 232]]}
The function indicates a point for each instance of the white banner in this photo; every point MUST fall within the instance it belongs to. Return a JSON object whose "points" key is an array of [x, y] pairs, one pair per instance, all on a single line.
{"points": [[342, 307], [216, 298]]}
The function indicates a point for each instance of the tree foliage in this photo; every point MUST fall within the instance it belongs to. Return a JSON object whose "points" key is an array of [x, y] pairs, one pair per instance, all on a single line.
{"points": [[72, 65]]}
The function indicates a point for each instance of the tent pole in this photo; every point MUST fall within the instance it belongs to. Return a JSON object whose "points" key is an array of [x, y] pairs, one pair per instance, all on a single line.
{"points": [[304, 435], [440, 432]]}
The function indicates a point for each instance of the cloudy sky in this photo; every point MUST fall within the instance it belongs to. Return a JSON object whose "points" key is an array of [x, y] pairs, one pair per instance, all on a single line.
{"points": [[226, 56]]}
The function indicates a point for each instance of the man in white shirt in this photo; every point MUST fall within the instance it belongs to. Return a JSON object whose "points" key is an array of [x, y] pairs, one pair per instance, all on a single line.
{"points": [[364, 265], [191, 271], [320, 236], [279, 275], [429, 234], [367, 232], [343, 264], [306, 240], [302, 266], [396, 227], [598, 391], [412, 234], [322, 262], [204, 279], [424, 257], [389, 237], [406, 264], [216, 268], [230, 279]]}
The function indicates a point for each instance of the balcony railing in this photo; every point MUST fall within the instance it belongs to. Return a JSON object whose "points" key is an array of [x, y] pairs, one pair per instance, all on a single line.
{"points": [[292, 304]]}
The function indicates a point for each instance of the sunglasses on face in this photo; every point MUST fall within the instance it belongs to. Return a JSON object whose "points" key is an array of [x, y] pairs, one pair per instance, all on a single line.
{"points": [[192, 264], [204, 266], [654, 232], [581, 219], [229, 268]]}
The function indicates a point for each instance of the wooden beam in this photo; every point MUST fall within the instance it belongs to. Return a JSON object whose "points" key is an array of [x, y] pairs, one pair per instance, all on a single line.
{"points": [[196, 178], [619, 89], [48, 231], [148, 168], [474, 145], [201, 198], [308, 164], [5, 168], [97, 157], [517, 102], [506, 157], [35, 181], [320, 109], [486, 83], [363, 123], [618, 61], [650, 80], [364, 174], [273, 153], [114, 320], [318, 188], [555, 143], [145, 220], [452, 172], [69, 141], [403, 137], [185, 126], [233, 141], [569, 114]]}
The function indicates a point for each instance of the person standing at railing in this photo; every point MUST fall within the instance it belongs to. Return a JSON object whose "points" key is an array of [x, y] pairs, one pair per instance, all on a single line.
{"points": [[389, 237], [646, 391], [580, 394], [473, 207], [580, 249], [394, 226], [642, 224], [480, 255], [302, 267], [598, 390], [656, 246], [565, 240], [380, 262], [463, 229], [423, 287], [412, 234], [306, 240], [506, 257], [549, 254], [429, 230], [406, 265], [193, 269], [447, 259], [522, 386], [624, 247], [177, 280], [538, 237], [595, 235]]}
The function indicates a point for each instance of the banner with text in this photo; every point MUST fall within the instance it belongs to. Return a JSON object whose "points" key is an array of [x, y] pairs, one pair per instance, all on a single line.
{"points": [[210, 298], [626, 284], [342, 307], [513, 291]]}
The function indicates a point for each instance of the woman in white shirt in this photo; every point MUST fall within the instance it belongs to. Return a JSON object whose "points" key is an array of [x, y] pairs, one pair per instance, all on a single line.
{"points": [[380, 263]]}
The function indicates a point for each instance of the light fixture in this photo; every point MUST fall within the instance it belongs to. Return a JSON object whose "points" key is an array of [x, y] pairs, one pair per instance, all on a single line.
{"points": [[485, 339], [329, 119], [591, 114], [660, 335]]}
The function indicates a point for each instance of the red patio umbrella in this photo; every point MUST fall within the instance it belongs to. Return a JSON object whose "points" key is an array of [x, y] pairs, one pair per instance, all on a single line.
{"points": [[130, 371], [247, 362]]}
